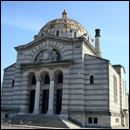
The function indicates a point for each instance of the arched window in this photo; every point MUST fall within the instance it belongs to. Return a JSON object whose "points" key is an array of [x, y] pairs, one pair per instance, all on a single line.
{"points": [[91, 79], [47, 79], [13, 82], [74, 34], [60, 78], [57, 33], [33, 80]]}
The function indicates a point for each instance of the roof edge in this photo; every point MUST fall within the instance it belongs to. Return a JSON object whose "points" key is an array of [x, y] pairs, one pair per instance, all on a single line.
{"points": [[10, 66], [98, 57], [119, 65]]}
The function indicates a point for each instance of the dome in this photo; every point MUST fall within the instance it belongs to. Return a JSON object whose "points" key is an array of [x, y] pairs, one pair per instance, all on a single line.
{"points": [[63, 27]]}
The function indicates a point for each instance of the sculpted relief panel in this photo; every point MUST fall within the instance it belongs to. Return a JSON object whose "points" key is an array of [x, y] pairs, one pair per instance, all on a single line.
{"points": [[47, 55]]}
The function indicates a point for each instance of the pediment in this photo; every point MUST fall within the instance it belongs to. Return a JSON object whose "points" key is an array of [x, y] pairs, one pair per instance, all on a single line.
{"points": [[45, 38], [70, 41]]}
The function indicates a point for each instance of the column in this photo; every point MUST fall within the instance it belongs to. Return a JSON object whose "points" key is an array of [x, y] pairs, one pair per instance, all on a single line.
{"points": [[51, 96], [37, 95], [65, 93]]}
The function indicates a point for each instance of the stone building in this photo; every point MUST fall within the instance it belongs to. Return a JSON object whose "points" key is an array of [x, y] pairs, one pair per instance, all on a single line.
{"points": [[60, 72]]}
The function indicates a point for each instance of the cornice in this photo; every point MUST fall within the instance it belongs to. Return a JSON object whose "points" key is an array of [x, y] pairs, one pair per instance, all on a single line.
{"points": [[119, 65], [90, 47], [45, 38], [99, 58], [57, 39], [9, 66]]}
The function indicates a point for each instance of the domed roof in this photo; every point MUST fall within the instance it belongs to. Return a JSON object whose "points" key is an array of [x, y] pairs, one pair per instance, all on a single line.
{"points": [[65, 26]]}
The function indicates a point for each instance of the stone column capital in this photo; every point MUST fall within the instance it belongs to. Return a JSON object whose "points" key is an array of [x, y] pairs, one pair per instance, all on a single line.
{"points": [[38, 78], [52, 77]]}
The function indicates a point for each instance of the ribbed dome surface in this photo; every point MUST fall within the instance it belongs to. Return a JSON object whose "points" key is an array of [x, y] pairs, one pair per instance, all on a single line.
{"points": [[65, 26]]}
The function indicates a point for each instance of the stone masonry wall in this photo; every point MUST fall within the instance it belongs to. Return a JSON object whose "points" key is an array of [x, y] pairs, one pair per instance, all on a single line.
{"points": [[97, 94], [7, 92], [7, 88]]}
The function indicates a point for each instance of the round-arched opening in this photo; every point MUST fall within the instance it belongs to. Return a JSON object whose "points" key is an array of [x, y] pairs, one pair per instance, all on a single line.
{"points": [[60, 78], [91, 79], [32, 87], [47, 79], [45, 83], [58, 91], [32, 78], [13, 82]]}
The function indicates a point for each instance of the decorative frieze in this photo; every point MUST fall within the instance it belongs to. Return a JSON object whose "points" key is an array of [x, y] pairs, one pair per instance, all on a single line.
{"points": [[65, 67], [37, 69], [51, 68]]}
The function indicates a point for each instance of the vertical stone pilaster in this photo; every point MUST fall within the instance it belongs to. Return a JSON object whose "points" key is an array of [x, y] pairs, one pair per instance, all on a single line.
{"points": [[18, 82], [24, 107], [83, 119], [65, 93]]}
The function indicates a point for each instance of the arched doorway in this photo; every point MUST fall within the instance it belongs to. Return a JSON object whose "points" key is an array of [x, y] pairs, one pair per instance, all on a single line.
{"points": [[59, 101], [32, 100], [45, 91], [32, 87], [59, 83]]}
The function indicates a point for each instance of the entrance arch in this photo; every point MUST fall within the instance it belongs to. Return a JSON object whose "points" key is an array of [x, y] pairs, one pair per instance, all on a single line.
{"points": [[32, 87], [45, 91], [59, 84]]}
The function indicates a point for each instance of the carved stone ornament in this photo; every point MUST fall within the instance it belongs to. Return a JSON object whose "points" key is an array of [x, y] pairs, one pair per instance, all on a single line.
{"points": [[77, 46], [25, 70], [46, 56]]}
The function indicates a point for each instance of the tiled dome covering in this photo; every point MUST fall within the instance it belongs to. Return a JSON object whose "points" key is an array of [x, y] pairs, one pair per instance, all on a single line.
{"points": [[65, 26]]}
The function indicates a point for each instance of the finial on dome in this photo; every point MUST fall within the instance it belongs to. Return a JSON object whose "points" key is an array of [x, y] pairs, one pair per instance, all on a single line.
{"points": [[64, 14]]}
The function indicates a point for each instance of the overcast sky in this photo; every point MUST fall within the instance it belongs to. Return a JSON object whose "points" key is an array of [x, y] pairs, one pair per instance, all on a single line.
{"points": [[21, 20]]}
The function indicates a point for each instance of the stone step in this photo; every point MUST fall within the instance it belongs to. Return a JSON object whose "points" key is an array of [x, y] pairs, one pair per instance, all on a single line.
{"points": [[70, 124], [38, 120]]}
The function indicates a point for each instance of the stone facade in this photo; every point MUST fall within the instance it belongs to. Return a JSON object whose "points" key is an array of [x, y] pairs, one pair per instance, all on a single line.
{"points": [[62, 73]]}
